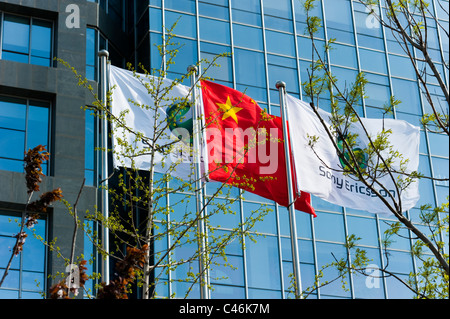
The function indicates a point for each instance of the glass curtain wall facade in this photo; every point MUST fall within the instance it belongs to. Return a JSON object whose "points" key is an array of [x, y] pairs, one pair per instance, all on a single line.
{"points": [[267, 44]]}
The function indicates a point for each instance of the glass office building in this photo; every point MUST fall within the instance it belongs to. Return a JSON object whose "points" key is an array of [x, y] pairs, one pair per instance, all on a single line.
{"points": [[267, 43]]}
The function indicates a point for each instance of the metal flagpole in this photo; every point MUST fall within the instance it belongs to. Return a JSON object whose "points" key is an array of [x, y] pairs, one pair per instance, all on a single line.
{"points": [[103, 54], [281, 86], [199, 188]]}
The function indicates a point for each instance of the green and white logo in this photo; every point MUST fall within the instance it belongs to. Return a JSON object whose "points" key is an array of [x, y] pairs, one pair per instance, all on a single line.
{"points": [[179, 118], [360, 156]]}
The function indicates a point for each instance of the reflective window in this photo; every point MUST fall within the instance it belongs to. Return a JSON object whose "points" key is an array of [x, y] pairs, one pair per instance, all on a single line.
{"points": [[373, 61], [185, 24], [89, 144], [408, 93], [377, 90], [369, 31], [280, 43], [343, 55], [248, 12], [181, 5], [24, 124], [187, 57], [401, 66], [250, 67], [339, 20], [247, 37], [330, 227], [365, 228], [214, 10], [372, 286], [214, 30], [278, 8], [91, 54], [26, 40], [26, 278], [327, 253], [263, 263]]}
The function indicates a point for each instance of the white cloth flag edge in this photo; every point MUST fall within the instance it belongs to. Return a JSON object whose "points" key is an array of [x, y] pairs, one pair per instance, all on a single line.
{"points": [[127, 87], [309, 173]]}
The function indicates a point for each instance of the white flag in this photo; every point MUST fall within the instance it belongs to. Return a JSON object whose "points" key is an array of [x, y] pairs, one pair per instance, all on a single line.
{"points": [[127, 89], [320, 172]]}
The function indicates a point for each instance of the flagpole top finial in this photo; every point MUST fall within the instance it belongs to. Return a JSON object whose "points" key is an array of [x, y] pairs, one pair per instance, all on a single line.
{"points": [[103, 53], [280, 84], [192, 68]]}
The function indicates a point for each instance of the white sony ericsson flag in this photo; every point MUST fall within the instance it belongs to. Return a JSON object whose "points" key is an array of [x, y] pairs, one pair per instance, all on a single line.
{"points": [[319, 172], [127, 92]]}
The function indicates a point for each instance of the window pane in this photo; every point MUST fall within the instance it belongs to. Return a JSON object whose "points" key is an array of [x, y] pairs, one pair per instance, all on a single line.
{"points": [[223, 273], [89, 140], [278, 24], [280, 43], [12, 113], [16, 34], [11, 165], [326, 222], [37, 133], [186, 24], [339, 20], [278, 8], [438, 144], [213, 10], [214, 30], [290, 76], [343, 55], [326, 253], [33, 257], [268, 224], [181, 5], [373, 61], [365, 228], [377, 94], [12, 144], [41, 33], [263, 264], [248, 5], [401, 66], [408, 93], [229, 218], [18, 57], [40, 61], [185, 57], [250, 68], [248, 37]]}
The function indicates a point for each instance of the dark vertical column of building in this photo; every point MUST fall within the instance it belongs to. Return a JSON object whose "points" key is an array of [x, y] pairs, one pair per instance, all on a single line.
{"points": [[142, 34]]}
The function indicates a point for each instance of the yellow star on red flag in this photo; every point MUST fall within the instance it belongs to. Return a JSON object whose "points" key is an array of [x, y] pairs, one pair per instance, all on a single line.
{"points": [[229, 110]]}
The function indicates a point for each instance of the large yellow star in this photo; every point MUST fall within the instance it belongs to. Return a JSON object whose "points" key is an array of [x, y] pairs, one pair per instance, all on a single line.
{"points": [[229, 110]]}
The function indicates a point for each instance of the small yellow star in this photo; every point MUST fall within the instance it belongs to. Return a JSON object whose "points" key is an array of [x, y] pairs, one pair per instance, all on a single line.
{"points": [[229, 110]]}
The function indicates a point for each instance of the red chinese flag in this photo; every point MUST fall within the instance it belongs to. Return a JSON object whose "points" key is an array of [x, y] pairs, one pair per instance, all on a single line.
{"points": [[245, 145]]}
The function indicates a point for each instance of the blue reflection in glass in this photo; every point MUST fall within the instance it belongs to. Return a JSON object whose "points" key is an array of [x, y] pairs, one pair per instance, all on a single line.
{"points": [[41, 32], [280, 43], [214, 30], [12, 113], [38, 125], [250, 68], [16, 34], [247, 37], [12, 144], [16, 40], [28, 270], [263, 262]]}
